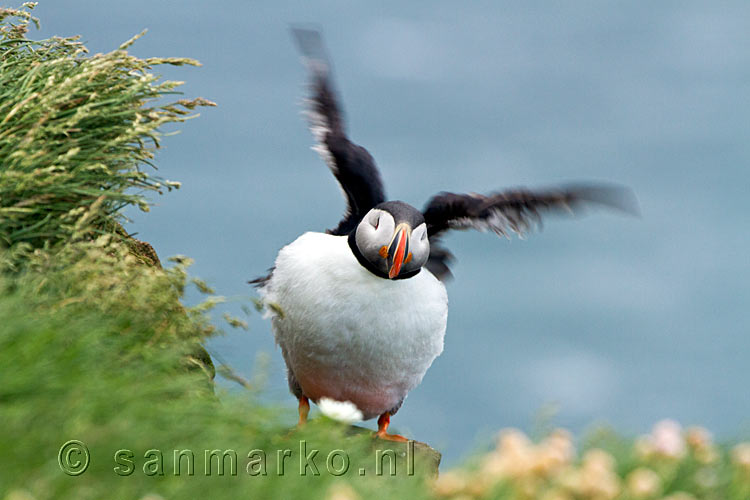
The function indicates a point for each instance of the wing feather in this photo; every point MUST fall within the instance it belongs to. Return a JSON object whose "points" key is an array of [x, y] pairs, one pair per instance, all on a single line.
{"points": [[352, 165], [516, 211]]}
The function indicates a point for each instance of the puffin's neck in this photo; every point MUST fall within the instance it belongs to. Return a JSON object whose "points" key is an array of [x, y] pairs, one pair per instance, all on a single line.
{"points": [[368, 265]]}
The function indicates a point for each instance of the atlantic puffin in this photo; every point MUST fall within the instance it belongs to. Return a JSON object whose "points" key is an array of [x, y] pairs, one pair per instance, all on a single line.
{"points": [[360, 310]]}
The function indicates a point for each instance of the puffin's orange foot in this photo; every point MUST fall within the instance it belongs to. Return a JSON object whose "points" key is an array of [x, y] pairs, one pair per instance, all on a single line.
{"points": [[390, 437], [304, 409], [383, 422]]}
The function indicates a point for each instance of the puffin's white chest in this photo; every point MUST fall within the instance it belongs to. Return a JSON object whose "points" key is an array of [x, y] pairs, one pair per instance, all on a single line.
{"points": [[347, 334]]}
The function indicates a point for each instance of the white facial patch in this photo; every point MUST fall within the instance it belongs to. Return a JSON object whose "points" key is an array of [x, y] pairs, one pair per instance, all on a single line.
{"points": [[375, 231]]}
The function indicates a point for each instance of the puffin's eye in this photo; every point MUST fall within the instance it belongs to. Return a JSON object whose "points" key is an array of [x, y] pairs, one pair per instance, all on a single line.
{"points": [[376, 222]]}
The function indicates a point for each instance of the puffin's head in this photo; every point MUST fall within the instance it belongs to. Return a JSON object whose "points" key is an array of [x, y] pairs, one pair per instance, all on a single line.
{"points": [[392, 240]]}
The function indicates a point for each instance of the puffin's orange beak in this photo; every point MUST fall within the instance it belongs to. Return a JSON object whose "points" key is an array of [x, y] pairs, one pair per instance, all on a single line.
{"points": [[399, 249]]}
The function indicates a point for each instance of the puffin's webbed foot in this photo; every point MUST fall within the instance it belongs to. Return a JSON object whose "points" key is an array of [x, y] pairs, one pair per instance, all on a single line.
{"points": [[383, 422]]}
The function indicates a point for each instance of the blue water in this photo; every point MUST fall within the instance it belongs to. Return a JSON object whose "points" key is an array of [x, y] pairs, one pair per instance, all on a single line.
{"points": [[604, 318]]}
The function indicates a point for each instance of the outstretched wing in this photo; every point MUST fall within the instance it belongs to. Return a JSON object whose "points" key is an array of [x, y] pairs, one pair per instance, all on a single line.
{"points": [[352, 165], [514, 211]]}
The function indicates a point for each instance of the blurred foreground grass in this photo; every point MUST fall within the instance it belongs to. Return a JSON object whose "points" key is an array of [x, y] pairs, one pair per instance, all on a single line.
{"points": [[96, 346]]}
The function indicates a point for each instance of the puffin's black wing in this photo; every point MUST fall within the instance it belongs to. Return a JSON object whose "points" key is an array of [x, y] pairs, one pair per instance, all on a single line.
{"points": [[514, 211], [352, 165]]}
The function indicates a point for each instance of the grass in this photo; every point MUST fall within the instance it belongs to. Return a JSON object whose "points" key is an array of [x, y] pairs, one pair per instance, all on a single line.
{"points": [[96, 345], [76, 130]]}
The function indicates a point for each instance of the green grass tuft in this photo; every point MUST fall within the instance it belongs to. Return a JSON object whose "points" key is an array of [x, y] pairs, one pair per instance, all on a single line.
{"points": [[76, 130]]}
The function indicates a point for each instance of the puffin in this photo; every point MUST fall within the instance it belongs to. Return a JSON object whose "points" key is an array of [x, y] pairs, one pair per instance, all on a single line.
{"points": [[360, 311]]}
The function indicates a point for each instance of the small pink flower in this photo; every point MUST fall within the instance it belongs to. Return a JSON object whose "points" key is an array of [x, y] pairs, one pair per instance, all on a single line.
{"points": [[668, 440]]}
